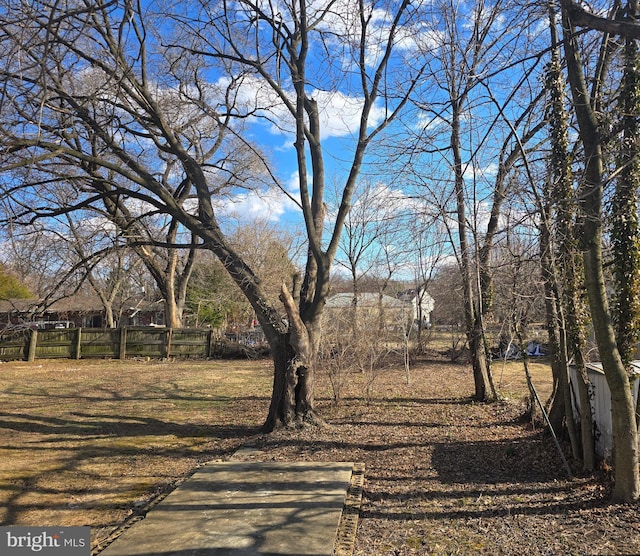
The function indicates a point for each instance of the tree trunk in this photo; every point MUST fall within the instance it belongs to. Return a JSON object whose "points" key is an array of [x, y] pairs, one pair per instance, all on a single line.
{"points": [[475, 332], [294, 354], [557, 399], [565, 320], [586, 416], [353, 310], [561, 409], [111, 321], [172, 314], [627, 479], [625, 434], [565, 341], [484, 390]]}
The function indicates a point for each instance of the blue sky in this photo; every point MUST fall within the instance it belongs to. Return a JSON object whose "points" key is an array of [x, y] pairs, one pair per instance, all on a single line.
{"points": [[333, 81], [340, 103]]}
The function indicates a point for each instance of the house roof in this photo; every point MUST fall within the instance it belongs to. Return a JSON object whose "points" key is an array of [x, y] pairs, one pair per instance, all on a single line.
{"points": [[411, 294], [596, 367], [18, 305], [345, 300], [78, 303]]}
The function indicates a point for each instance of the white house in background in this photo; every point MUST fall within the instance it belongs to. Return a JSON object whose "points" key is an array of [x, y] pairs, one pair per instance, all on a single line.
{"points": [[370, 306], [421, 302], [365, 300], [407, 307]]}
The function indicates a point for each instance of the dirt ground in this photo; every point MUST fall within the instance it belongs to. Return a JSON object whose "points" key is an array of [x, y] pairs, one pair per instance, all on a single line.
{"points": [[93, 443]]}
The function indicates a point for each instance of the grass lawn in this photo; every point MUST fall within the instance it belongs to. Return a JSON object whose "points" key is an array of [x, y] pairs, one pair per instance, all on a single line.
{"points": [[93, 442], [87, 442]]}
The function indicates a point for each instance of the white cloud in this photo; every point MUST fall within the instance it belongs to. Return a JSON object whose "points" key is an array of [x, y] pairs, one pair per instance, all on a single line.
{"points": [[483, 173], [292, 186], [270, 205], [343, 19], [427, 121], [339, 112], [95, 224]]}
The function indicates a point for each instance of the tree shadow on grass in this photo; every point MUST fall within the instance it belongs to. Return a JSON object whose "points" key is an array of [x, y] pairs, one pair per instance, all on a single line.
{"points": [[542, 508], [482, 479], [104, 394], [384, 401], [101, 458], [89, 425]]}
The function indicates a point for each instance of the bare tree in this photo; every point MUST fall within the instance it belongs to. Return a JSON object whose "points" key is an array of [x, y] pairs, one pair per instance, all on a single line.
{"points": [[625, 229], [582, 17], [561, 265], [153, 240], [96, 246], [267, 249], [475, 123], [149, 110], [35, 257], [105, 267], [428, 248], [373, 246], [359, 243]]}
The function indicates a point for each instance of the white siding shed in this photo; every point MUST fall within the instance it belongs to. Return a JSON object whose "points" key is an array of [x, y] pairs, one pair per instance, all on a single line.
{"points": [[600, 396]]}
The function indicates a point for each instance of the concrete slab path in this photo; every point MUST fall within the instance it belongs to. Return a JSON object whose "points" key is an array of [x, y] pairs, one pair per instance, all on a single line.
{"points": [[240, 508]]}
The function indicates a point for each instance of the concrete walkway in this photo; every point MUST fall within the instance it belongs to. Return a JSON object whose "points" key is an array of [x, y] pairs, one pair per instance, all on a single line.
{"points": [[243, 508]]}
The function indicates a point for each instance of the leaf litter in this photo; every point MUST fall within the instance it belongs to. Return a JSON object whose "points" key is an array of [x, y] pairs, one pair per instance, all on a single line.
{"points": [[445, 475]]}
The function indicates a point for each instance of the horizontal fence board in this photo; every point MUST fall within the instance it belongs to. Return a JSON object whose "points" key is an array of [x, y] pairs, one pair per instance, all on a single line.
{"points": [[12, 352], [55, 343], [189, 342], [14, 345], [54, 352], [107, 343], [100, 342]]}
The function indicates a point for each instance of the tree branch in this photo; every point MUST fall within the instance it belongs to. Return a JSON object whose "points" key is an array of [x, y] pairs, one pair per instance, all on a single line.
{"points": [[582, 18]]}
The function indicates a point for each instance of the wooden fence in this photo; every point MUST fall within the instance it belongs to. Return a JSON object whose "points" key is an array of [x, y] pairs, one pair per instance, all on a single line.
{"points": [[116, 343]]}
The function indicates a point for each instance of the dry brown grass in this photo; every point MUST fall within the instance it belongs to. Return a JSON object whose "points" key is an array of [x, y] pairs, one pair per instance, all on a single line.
{"points": [[93, 442], [87, 442]]}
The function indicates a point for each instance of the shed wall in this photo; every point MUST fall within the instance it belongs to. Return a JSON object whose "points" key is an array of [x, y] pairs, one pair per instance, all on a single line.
{"points": [[600, 396]]}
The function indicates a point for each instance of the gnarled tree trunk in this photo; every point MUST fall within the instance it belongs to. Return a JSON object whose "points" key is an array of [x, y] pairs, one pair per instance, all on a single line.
{"points": [[292, 400]]}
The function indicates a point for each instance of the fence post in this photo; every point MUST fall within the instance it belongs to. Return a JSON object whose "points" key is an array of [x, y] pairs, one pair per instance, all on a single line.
{"points": [[167, 346], [78, 342], [209, 347], [123, 342], [33, 342]]}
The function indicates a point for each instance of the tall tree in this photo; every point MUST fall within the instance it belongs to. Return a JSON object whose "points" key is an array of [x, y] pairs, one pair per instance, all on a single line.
{"points": [[136, 107], [625, 231], [105, 268], [212, 295], [475, 120], [155, 242], [590, 194], [374, 230], [562, 268]]}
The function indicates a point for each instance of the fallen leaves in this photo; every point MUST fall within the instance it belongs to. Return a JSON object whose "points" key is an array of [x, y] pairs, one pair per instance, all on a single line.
{"points": [[446, 475]]}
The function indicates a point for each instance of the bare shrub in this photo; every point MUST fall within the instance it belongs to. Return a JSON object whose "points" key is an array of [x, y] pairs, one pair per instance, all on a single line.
{"points": [[357, 342]]}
